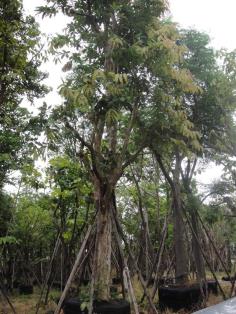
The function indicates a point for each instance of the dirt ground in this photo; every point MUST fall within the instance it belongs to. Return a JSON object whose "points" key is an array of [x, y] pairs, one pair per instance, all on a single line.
{"points": [[26, 304]]}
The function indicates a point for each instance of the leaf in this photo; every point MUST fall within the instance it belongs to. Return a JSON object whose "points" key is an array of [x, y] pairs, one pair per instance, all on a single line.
{"points": [[111, 116], [8, 240], [67, 66], [98, 74], [116, 42], [84, 305]]}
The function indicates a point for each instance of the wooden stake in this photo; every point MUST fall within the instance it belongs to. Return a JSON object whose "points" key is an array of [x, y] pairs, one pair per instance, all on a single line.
{"points": [[204, 255], [48, 272], [217, 253], [130, 288], [74, 269], [161, 250], [120, 231], [2, 291]]}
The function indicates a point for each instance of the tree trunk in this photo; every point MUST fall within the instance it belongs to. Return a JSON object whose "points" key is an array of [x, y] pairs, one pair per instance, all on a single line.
{"points": [[102, 258], [198, 258], [181, 259], [228, 255]]}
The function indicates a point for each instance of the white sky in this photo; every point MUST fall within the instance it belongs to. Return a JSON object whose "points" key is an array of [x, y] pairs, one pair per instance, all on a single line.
{"points": [[216, 17]]}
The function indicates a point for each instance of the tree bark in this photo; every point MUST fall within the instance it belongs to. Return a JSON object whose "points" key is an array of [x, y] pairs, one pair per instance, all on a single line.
{"points": [[193, 210], [145, 233], [102, 258], [181, 259], [198, 258], [228, 255]]}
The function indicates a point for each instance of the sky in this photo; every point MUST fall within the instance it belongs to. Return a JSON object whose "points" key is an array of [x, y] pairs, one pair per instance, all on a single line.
{"points": [[215, 17]]}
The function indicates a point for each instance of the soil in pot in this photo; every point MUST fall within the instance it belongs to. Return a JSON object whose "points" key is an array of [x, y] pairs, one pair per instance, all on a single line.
{"points": [[165, 281]]}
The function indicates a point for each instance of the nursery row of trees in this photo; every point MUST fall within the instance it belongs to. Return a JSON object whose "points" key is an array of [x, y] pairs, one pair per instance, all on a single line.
{"points": [[145, 106]]}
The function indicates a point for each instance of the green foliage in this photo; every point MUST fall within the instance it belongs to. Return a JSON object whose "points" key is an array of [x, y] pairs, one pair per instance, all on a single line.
{"points": [[8, 240], [135, 82], [20, 79], [126, 72], [210, 109], [6, 211], [32, 222]]}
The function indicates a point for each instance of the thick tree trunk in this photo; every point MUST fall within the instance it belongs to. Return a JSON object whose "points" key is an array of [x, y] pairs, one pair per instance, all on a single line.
{"points": [[198, 258], [197, 254], [102, 258], [228, 256], [145, 238], [181, 258]]}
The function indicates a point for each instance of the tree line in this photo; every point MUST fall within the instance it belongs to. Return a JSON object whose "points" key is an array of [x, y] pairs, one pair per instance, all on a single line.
{"points": [[145, 106]]}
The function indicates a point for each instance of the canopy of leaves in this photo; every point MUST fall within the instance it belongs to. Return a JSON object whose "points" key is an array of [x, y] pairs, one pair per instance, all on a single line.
{"points": [[20, 78]]}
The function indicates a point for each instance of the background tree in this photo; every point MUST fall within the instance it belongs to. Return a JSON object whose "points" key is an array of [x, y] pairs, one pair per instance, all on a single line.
{"points": [[206, 112], [20, 79]]}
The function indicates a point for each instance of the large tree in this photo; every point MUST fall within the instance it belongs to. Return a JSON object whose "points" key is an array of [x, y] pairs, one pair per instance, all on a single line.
{"points": [[20, 79], [121, 54], [210, 111]]}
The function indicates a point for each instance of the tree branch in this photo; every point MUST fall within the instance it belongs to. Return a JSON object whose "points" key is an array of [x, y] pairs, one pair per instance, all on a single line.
{"points": [[79, 137], [163, 169], [128, 132], [133, 157]]}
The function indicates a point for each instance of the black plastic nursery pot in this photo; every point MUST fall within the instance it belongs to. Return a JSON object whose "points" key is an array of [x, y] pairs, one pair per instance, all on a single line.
{"points": [[116, 281], [112, 307], [15, 284], [57, 285], [161, 281], [113, 289], [180, 297], [165, 281], [232, 278], [212, 287], [73, 306], [26, 289], [85, 282]]}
